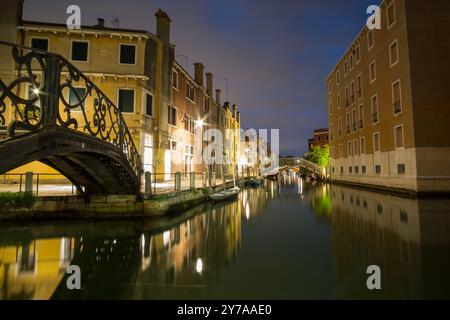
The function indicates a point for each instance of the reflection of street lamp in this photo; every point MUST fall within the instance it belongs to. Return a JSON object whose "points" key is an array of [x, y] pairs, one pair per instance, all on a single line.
{"points": [[199, 265]]}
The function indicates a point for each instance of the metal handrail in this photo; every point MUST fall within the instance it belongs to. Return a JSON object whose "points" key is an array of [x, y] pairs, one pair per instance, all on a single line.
{"points": [[42, 108]]}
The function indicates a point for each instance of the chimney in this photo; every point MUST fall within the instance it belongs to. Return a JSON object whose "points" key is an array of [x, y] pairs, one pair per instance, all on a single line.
{"points": [[218, 93], [199, 70], [239, 116], [209, 83], [100, 23], [163, 26], [234, 110]]}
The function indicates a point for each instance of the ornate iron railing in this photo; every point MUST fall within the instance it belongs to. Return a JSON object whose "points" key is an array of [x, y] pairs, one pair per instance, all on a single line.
{"points": [[37, 97]]}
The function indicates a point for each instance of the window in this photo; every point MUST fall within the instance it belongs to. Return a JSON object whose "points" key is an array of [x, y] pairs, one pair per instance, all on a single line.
{"points": [[345, 68], [370, 40], [357, 54], [341, 151], [391, 17], [372, 72], [171, 145], [342, 171], [351, 61], [149, 105], [126, 100], [362, 145], [376, 142], [189, 124], [350, 169], [349, 149], [401, 168], [363, 171], [329, 87], [172, 115], [347, 123], [340, 127], [332, 132], [331, 107], [356, 147], [359, 87], [39, 43], [399, 139], [397, 97], [80, 51], [339, 102], [127, 54], [361, 117], [393, 53], [332, 153], [357, 171], [190, 91], [374, 105], [347, 94], [76, 97], [206, 105], [338, 77], [174, 79], [354, 120], [377, 169], [352, 92]]}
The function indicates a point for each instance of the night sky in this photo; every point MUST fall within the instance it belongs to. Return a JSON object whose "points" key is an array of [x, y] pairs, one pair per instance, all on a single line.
{"points": [[275, 53]]}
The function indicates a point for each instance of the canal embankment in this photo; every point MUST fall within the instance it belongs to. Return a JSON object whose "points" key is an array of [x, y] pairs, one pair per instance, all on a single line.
{"points": [[110, 206]]}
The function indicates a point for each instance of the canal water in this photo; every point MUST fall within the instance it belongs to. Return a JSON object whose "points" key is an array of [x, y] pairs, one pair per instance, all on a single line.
{"points": [[286, 240]]}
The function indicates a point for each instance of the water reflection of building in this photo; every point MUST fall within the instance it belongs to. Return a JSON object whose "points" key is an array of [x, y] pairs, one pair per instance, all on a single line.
{"points": [[183, 261], [33, 270], [397, 234]]}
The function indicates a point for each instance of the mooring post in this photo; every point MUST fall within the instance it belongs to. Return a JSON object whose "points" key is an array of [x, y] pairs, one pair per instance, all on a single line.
{"points": [[29, 182], [192, 180], [148, 182], [178, 181]]}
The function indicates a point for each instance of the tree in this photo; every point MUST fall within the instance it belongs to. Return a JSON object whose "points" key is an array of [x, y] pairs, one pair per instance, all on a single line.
{"points": [[319, 156]]}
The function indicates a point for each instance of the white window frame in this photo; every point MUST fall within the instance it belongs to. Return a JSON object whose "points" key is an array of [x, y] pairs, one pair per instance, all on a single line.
{"points": [[144, 103], [403, 137], [176, 113], [88, 51], [370, 47], [135, 54], [392, 3], [178, 80], [358, 57], [378, 109], [360, 96], [379, 142], [392, 97], [349, 149], [362, 142], [134, 99], [374, 70], [390, 56]]}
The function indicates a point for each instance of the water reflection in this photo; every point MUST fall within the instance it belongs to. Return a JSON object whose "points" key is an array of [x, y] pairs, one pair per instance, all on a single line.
{"points": [[289, 239]]}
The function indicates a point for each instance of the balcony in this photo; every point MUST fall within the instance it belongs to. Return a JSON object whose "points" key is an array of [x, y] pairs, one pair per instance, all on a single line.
{"points": [[375, 117], [397, 107]]}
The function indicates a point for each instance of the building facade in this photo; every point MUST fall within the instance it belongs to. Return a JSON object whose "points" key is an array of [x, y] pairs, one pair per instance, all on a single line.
{"points": [[320, 138], [389, 113], [136, 69]]}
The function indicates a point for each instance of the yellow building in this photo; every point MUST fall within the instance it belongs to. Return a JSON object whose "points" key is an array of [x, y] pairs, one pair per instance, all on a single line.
{"points": [[134, 69]]}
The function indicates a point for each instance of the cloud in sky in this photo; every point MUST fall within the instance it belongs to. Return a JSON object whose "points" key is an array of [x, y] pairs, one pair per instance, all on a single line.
{"points": [[275, 53]]}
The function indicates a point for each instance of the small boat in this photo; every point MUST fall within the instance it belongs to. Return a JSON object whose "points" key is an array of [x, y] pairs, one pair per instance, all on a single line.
{"points": [[226, 194], [256, 182]]}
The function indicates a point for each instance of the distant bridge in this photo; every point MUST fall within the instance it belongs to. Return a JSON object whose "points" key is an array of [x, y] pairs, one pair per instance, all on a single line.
{"points": [[89, 144], [301, 163]]}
